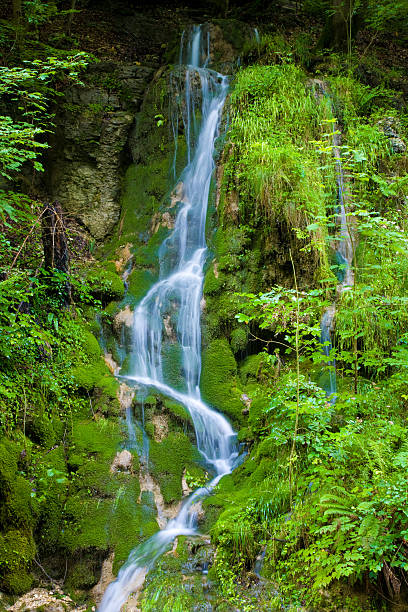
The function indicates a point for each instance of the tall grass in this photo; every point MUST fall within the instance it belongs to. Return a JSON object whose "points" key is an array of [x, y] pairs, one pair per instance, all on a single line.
{"points": [[276, 116]]}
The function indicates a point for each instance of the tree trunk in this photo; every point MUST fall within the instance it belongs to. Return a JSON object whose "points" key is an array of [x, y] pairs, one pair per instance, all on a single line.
{"points": [[71, 17], [16, 11], [56, 254], [17, 22], [341, 25]]}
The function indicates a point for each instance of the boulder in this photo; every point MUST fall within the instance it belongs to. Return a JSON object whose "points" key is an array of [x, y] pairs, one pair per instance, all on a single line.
{"points": [[123, 462]]}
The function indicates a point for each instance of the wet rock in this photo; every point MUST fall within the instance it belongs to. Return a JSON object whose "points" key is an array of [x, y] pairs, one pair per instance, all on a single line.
{"points": [[106, 578], [201, 555], [125, 396], [390, 127], [111, 363], [123, 317], [161, 427], [86, 179], [162, 220], [170, 333], [124, 255], [164, 512], [122, 462]]}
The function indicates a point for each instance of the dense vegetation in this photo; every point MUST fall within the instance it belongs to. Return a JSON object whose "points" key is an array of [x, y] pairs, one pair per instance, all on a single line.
{"points": [[321, 497]]}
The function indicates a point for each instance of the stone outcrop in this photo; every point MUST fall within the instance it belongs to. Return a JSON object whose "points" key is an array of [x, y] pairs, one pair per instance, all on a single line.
{"points": [[90, 147], [391, 127]]}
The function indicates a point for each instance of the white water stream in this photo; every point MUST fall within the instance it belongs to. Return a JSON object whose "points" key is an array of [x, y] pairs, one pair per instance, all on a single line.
{"points": [[175, 300], [344, 255]]}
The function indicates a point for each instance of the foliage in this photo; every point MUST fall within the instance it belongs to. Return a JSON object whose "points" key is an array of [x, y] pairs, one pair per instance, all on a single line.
{"points": [[323, 483], [274, 118], [30, 89], [276, 312]]}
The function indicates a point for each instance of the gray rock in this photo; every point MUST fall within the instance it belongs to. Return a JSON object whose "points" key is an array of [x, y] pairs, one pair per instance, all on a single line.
{"points": [[390, 126], [122, 462], [85, 166], [86, 177]]}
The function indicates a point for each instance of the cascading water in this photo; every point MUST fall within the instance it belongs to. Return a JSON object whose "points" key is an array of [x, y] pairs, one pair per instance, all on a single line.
{"points": [[175, 301], [344, 256]]}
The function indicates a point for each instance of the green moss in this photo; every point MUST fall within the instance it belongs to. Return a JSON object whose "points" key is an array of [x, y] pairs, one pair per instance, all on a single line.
{"points": [[40, 429], [172, 365], [18, 582], [17, 509], [87, 376], [91, 346], [96, 379], [8, 464], [145, 187], [169, 459], [86, 521], [257, 409], [231, 240], [106, 284], [177, 410], [105, 393], [147, 255], [85, 573], [212, 284], [218, 379], [90, 437], [239, 339], [220, 311], [250, 369], [17, 550], [103, 510], [149, 429], [140, 282], [131, 521]]}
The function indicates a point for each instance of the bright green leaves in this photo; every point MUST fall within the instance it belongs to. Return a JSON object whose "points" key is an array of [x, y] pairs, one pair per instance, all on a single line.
{"points": [[30, 89], [276, 311], [18, 144]]}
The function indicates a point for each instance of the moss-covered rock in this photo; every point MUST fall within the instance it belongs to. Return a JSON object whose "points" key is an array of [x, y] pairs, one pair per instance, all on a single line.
{"points": [[17, 550], [8, 464], [96, 380], [41, 430], [139, 282], [177, 410], [85, 573], [169, 458], [250, 368], [18, 509], [239, 339], [219, 379], [172, 365], [91, 346], [105, 283]]}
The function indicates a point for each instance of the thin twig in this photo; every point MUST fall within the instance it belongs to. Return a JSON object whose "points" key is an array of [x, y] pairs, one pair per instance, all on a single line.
{"points": [[41, 567], [24, 241]]}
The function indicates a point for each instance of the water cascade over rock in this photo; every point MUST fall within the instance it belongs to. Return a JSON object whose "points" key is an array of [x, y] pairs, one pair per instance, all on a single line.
{"points": [[174, 303], [344, 253]]}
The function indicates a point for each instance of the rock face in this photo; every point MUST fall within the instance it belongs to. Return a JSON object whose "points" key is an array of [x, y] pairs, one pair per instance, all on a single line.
{"points": [[96, 129], [391, 128], [85, 166]]}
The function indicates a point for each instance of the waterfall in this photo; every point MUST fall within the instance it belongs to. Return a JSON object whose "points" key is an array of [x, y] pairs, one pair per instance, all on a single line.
{"points": [[174, 301], [344, 255]]}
